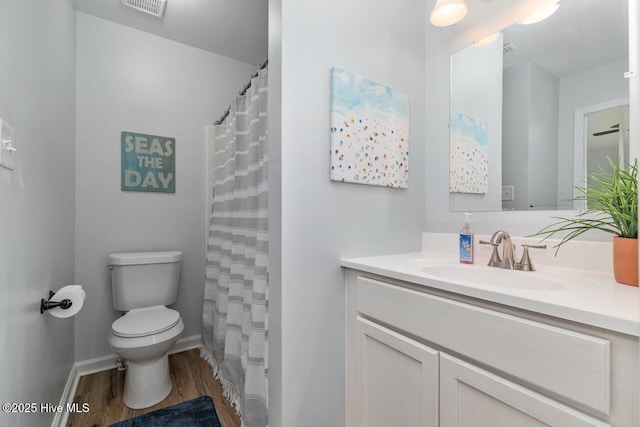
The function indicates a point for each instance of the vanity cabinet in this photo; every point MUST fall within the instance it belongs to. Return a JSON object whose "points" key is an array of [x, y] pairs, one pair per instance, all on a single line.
{"points": [[418, 356]]}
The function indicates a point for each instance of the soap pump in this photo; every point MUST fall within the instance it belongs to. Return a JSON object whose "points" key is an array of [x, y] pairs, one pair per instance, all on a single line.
{"points": [[466, 241]]}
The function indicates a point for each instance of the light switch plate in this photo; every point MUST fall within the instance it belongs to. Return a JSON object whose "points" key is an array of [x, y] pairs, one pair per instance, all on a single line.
{"points": [[507, 193], [7, 145]]}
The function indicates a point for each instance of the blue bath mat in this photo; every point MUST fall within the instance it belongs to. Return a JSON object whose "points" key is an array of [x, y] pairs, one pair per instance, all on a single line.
{"points": [[198, 412]]}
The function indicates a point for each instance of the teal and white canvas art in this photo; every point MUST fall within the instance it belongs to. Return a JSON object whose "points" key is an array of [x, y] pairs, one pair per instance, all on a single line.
{"points": [[469, 150], [369, 132], [148, 163]]}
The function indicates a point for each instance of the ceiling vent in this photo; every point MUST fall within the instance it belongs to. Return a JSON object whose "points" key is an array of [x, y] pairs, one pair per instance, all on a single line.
{"points": [[152, 7], [509, 47]]}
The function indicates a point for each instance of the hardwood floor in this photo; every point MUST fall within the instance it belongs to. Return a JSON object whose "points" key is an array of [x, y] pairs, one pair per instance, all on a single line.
{"points": [[191, 376]]}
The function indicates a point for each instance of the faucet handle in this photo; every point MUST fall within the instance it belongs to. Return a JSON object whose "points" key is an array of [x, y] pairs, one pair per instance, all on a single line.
{"points": [[524, 245], [526, 264], [495, 260]]}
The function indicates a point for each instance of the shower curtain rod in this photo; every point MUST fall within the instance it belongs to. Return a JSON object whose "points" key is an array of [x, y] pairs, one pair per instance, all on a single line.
{"points": [[243, 91]]}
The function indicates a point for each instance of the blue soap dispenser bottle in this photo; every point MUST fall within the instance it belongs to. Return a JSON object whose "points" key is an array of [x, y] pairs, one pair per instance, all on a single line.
{"points": [[466, 241]]}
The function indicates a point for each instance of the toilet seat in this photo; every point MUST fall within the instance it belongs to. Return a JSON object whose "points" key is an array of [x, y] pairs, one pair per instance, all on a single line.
{"points": [[145, 321]]}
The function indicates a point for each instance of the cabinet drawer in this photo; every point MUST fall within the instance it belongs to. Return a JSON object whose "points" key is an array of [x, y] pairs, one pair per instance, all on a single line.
{"points": [[565, 363]]}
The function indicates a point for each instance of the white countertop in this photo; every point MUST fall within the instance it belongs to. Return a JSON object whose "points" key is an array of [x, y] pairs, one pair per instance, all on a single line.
{"points": [[588, 297]]}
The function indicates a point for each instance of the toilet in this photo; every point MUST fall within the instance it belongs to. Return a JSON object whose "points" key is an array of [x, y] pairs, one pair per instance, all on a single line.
{"points": [[143, 284]]}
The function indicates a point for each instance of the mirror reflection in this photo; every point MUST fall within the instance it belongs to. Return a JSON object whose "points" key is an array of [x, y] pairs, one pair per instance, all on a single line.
{"points": [[537, 108]]}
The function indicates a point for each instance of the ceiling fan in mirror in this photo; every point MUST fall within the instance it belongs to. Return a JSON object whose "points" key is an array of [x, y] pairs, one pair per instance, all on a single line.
{"points": [[613, 129]]}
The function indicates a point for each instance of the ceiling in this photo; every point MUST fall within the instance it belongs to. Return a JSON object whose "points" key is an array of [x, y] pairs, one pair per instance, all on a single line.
{"points": [[233, 28], [581, 35]]}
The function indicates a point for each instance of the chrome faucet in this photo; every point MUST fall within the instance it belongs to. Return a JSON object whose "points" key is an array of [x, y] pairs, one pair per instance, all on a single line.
{"points": [[508, 253]]}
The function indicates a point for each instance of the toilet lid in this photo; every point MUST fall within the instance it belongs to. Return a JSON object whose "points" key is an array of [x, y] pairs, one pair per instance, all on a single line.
{"points": [[145, 321]]}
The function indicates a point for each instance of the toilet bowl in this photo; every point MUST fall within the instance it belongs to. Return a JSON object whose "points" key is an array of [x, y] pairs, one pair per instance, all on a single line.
{"points": [[143, 284], [143, 337]]}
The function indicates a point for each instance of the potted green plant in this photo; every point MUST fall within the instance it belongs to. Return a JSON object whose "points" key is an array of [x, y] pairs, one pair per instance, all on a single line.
{"points": [[611, 206]]}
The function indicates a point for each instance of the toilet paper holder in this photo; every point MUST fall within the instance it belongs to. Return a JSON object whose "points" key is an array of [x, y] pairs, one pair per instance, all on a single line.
{"points": [[48, 304]]}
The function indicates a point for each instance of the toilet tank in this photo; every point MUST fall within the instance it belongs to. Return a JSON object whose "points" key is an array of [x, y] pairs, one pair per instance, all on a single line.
{"points": [[144, 279]]}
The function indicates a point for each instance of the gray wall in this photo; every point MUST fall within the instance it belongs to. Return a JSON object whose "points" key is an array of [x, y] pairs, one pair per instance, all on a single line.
{"points": [[530, 131], [543, 140], [37, 97], [135, 81], [579, 91], [515, 133], [323, 221]]}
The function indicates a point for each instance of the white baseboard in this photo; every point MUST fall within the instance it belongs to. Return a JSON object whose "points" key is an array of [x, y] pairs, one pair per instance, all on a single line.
{"points": [[97, 364], [103, 363], [60, 418]]}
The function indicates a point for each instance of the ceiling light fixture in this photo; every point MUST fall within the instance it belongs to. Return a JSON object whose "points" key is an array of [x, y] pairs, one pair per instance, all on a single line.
{"points": [[541, 14], [448, 12]]}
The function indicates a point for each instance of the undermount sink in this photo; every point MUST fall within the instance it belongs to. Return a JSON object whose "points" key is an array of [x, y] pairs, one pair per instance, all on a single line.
{"points": [[493, 277]]}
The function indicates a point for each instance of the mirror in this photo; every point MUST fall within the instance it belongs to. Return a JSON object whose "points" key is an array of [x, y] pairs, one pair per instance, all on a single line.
{"points": [[536, 110]]}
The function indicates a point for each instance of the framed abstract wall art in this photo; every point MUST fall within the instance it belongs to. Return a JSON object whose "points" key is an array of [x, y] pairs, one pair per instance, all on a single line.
{"points": [[369, 132]]}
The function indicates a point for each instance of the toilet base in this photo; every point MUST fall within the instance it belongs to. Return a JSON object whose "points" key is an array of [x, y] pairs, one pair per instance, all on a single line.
{"points": [[147, 382]]}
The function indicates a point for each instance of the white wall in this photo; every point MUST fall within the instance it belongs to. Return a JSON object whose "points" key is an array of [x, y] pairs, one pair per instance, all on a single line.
{"points": [[274, 118], [134, 81], [323, 221], [634, 79], [441, 43], [37, 79]]}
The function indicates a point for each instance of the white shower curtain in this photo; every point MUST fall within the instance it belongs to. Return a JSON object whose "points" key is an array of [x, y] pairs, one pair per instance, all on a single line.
{"points": [[236, 293]]}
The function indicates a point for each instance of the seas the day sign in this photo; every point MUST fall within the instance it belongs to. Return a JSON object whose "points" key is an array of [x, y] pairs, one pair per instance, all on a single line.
{"points": [[148, 163]]}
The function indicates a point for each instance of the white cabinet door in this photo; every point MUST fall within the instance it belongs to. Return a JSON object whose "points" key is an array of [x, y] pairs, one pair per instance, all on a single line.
{"points": [[397, 379], [473, 397]]}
